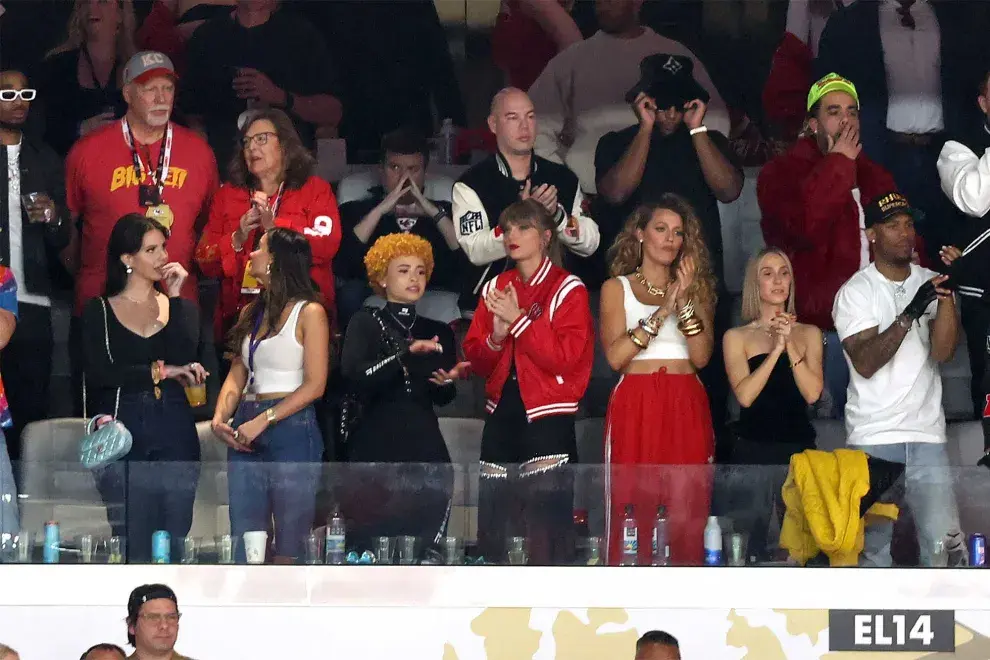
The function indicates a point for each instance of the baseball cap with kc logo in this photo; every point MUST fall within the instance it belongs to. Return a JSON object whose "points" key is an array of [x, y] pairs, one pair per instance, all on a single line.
{"points": [[147, 64]]}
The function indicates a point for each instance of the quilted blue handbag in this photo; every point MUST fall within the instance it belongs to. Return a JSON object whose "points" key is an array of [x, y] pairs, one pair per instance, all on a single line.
{"points": [[112, 441]]}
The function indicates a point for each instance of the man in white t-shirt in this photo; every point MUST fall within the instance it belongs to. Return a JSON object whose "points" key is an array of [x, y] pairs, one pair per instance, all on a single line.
{"points": [[896, 321]]}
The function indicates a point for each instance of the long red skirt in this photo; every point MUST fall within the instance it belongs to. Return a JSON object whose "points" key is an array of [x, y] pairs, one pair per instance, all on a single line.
{"points": [[656, 421]]}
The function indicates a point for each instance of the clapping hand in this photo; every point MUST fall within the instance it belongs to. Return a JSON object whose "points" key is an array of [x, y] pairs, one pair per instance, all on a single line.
{"points": [[545, 194], [780, 327], [504, 305], [686, 270], [421, 346], [261, 203]]}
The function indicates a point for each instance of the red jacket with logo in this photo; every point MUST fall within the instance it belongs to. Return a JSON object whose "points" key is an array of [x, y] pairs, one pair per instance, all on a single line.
{"points": [[552, 343], [809, 212], [310, 210]]}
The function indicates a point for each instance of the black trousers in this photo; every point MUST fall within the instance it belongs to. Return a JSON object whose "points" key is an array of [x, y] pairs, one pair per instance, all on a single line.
{"points": [[27, 371], [537, 505]]}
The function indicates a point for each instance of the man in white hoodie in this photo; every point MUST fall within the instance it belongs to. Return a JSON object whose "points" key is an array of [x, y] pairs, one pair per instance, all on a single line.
{"points": [[580, 96]]}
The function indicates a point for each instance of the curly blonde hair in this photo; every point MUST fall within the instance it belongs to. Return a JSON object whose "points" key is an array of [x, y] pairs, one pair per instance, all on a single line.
{"points": [[391, 246], [626, 253]]}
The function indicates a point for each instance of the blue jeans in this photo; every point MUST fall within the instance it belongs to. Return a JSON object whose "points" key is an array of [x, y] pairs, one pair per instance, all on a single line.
{"points": [[153, 487], [9, 523], [929, 494], [278, 479], [836, 375]]}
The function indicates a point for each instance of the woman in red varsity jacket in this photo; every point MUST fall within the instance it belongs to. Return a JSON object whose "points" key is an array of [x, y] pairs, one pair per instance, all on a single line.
{"points": [[656, 328], [531, 338]]}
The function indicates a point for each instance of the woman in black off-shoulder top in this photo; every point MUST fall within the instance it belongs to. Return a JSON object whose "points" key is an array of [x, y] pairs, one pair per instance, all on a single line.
{"points": [[142, 344], [399, 365]]}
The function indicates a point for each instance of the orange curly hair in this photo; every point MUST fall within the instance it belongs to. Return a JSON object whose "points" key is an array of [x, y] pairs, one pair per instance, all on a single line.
{"points": [[391, 246]]}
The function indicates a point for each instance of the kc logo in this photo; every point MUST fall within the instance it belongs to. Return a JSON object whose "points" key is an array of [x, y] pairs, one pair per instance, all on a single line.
{"points": [[535, 311], [673, 65], [152, 59]]}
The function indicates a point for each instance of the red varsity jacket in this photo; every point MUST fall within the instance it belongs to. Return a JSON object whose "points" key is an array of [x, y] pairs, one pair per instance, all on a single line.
{"points": [[552, 343]]}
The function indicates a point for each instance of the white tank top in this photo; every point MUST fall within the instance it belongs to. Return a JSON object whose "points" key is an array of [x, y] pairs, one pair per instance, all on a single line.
{"points": [[669, 344], [278, 360]]}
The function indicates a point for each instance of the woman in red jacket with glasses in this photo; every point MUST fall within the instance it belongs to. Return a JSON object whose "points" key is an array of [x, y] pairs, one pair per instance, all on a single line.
{"points": [[270, 184]]}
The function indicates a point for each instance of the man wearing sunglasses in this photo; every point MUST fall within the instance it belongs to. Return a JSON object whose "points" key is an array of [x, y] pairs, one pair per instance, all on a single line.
{"points": [[34, 229]]}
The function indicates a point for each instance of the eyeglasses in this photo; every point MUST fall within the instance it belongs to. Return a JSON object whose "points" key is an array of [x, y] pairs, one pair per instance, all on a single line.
{"points": [[14, 94], [155, 619], [260, 139]]}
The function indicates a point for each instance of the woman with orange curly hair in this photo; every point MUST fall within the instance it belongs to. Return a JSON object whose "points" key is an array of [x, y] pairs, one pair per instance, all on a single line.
{"points": [[398, 366], [656, 329]]}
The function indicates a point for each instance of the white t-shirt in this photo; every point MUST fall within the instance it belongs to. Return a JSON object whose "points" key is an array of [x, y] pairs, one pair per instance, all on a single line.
{"points": [[902, 402], [16, 236]]}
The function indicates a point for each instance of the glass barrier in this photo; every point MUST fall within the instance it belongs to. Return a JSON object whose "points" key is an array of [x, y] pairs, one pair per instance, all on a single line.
{"points": [[340, 513]]}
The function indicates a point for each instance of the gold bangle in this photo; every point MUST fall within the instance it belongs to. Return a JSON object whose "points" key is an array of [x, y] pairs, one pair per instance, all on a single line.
{"points": [[691, 326], [636, 340], [271, 416], [800, 360]]}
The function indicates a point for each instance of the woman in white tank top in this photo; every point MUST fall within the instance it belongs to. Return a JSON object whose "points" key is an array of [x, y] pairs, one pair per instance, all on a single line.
{"points": [[265, 410], [656, 328]]}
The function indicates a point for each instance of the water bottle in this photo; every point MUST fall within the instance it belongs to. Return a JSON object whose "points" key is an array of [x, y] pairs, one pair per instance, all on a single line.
{"points": [[447, 139], [661, 541], [336, 538], [713, 542], [630, 538]]}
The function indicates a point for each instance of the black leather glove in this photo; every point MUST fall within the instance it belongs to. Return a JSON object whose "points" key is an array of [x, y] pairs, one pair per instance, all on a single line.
{"points": [[922, 299]]}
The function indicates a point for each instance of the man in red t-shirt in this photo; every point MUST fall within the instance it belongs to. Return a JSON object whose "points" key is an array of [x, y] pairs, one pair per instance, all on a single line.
{"points": [[141, 164]]}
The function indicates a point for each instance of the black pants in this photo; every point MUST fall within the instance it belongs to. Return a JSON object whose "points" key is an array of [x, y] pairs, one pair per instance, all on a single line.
{"points": [[27, 371], [514, 501], [716, 382], [153, 488], [754, 487]]}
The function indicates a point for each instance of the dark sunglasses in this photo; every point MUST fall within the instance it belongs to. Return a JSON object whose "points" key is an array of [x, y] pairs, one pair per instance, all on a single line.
{"points": [[14, 94]]}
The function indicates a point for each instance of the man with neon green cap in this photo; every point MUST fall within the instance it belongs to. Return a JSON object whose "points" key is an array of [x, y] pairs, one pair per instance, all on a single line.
{"points": [[812, 198]]}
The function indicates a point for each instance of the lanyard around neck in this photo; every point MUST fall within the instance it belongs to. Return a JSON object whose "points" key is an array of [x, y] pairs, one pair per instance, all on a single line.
{"points": [[164, 156]]}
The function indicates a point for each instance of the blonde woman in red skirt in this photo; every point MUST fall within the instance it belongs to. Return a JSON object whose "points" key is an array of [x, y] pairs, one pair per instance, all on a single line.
{"points": [[656, 329]]}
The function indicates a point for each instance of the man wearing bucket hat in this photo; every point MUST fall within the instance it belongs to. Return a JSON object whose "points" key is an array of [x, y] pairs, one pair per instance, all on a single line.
{"points": [[811, 199], [897, 322], [671, 150]]}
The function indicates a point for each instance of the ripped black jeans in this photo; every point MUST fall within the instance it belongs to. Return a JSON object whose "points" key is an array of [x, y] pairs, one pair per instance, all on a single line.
{"points": [[526, 487]]}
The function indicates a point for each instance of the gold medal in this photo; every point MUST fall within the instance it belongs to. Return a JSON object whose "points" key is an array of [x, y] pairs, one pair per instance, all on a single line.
{"points": [[250, 284], [162, 213]]}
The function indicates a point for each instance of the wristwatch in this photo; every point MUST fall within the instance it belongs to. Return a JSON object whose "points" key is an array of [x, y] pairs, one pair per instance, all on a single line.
{"points": [[271, 416]]}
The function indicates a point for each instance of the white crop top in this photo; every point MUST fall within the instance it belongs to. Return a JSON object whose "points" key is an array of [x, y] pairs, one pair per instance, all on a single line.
{"points": [[669, 344], [278, 360]]}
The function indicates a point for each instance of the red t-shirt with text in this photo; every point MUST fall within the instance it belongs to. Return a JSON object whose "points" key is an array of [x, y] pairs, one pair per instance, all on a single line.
{"points": [[102, 186]]}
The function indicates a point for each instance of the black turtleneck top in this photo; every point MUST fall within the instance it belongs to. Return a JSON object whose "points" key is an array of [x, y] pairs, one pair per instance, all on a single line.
{"points": [[394, 384]]}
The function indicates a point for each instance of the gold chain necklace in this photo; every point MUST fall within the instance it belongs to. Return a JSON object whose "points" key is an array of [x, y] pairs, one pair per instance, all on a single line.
{"points": [[650, 289]]}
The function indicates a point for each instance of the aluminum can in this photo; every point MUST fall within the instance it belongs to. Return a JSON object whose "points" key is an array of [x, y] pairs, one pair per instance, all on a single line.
{"points": [[50, 551], [161, 547], [978, 550]]}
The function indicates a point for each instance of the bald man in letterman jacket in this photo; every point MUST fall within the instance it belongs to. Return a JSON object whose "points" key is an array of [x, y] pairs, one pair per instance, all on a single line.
{"points": [[514, 172]]}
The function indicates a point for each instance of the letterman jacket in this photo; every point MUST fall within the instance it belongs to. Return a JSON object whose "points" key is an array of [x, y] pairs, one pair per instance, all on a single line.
{"points": [[486, 189], [551, 345]]}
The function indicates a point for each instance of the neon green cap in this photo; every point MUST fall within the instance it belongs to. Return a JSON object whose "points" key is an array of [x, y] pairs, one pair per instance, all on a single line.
{"points": [[833, 82]]}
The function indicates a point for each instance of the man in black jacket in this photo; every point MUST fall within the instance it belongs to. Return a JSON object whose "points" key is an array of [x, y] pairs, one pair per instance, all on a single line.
{"points": [[513, 173], [965, 178], [34, 229]]}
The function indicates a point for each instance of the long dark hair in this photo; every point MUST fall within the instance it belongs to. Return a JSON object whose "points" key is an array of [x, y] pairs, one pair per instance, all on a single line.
{"points": [[297, 163], [126, 238], [289, 280]]}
